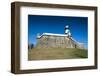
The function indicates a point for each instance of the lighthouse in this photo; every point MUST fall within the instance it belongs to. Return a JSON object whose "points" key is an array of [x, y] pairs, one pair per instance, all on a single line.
{"points": [[67, 31]]}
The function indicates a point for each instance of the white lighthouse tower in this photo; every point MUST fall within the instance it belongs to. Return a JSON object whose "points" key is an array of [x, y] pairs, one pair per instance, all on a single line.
{"points": [[67, 31]]}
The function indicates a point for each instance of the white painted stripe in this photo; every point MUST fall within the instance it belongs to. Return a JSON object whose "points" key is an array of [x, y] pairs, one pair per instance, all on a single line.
{"points": [[52, 34]]}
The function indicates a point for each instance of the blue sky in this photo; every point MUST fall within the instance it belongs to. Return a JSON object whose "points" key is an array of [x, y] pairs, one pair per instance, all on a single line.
{"points": [[55, 24]]}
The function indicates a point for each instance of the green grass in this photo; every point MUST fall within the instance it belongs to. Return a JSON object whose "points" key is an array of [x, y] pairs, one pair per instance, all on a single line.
{"points": [[56, 53]]}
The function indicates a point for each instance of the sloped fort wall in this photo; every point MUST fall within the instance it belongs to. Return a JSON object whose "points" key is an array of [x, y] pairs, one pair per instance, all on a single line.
{"points": [[57, 41]]}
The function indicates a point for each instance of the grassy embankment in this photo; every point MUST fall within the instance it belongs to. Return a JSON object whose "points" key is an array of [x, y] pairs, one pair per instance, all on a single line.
{"points": [[56, 53]]}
